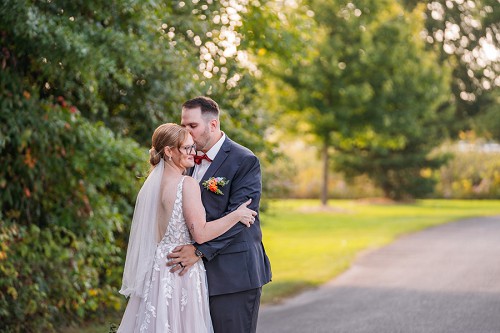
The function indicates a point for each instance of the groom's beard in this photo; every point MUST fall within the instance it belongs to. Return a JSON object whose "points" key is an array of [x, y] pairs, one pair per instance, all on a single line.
{"points": [[205, 140]]}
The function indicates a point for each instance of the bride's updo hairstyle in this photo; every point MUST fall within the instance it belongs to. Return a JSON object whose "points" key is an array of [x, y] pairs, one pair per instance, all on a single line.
{"points": [[166, 135]]}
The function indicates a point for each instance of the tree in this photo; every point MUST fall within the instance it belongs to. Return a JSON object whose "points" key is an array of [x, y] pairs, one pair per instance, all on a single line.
{"points": [[120, 61], [466, 35], [371, 91], [487, 123]]}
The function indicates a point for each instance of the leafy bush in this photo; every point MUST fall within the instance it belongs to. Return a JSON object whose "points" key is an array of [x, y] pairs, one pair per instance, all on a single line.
{"points": [[66, 191]]}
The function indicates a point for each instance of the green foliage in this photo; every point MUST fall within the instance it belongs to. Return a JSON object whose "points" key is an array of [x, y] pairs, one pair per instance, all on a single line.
{"points": [[46, 144], [465, 35], [33, 297], [120, 61], [400, 112], [369, 88], [112, 59], [67, 188], [488, 123]]}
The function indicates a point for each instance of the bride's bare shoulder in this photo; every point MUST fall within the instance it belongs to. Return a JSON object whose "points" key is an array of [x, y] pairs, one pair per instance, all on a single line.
{"points": [[190, 183]]}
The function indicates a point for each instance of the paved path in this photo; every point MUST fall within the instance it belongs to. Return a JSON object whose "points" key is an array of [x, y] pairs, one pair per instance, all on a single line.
{"points": [[443, 279]]}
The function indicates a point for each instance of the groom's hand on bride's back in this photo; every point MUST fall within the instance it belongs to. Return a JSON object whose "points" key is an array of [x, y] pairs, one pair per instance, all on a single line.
{"points": [[182, 258]]}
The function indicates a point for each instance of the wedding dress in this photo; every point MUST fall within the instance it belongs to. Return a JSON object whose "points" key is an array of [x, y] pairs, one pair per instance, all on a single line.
{"points": [[170, 303]]}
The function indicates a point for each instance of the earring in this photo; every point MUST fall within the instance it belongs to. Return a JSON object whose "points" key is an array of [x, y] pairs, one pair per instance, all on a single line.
{"points": [[170, 158]]}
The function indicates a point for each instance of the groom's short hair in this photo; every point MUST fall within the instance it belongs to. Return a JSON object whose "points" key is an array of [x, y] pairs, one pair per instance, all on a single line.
{"points": [[206, 104]]}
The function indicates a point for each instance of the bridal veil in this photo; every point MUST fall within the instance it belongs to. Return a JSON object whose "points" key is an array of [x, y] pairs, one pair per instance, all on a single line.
{"points": [[143, 235]]}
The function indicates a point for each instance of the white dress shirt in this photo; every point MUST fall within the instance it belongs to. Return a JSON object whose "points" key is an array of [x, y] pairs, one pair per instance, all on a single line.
{"points": [[200, 169]]}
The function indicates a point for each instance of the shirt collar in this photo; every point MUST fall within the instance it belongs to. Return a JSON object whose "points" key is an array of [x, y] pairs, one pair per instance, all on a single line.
{"points": [[216, 147]]}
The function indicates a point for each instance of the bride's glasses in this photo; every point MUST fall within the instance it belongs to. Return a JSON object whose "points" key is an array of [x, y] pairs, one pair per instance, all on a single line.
{"points": [[189, 149]]}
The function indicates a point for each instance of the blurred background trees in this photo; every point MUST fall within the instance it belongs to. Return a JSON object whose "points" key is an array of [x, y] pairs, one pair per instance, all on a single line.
{"points": [[381, 91], [380, 86], [374, 95], [465, 33]]}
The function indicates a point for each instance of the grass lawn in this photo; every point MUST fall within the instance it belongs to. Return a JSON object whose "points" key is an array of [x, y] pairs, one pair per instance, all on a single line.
{"points": [[308, 245]]}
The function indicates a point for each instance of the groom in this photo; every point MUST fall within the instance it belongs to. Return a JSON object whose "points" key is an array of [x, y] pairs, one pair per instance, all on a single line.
{"points": [[236, 262]]}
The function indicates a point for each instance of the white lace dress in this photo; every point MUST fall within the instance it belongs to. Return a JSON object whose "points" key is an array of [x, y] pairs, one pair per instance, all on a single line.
{"points": [[173, 303]]}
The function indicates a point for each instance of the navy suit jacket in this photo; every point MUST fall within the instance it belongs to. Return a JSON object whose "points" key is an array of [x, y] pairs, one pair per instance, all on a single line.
{"points": [[236, 260]]}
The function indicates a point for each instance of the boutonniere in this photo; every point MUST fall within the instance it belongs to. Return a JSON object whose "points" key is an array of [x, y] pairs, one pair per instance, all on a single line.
{"points": [[213, 183]]}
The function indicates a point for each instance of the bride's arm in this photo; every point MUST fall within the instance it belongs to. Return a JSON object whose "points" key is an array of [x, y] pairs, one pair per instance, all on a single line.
{"points": [[195, 216]]}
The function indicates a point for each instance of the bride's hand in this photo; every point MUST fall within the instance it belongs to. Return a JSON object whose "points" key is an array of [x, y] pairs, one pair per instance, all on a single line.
{"points": [[247, 216]]}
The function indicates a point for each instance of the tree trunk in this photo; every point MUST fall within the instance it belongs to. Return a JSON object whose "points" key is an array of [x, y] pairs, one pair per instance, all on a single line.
{"points": [[324, 186]]}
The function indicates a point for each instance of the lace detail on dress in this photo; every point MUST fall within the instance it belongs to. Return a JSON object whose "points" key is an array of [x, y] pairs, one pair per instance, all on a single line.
{"points": [[177, 230], [172, 303]]}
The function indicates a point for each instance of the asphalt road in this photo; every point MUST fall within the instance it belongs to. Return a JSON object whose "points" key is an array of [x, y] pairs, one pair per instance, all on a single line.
{"points": [[443, 279]]}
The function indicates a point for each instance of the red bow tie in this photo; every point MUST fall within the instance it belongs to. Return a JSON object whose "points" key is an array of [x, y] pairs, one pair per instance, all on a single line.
{"points": [[199, 158]]}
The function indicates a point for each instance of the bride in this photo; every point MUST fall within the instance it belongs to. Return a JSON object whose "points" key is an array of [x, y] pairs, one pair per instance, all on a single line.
{"points": [[169, 213]]}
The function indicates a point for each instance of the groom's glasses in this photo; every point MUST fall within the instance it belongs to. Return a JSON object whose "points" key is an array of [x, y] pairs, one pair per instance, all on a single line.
{"points": [[189, 149]]}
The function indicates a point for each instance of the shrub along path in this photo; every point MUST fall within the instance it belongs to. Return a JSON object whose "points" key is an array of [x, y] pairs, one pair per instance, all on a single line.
{"points": [[443, 279]]}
